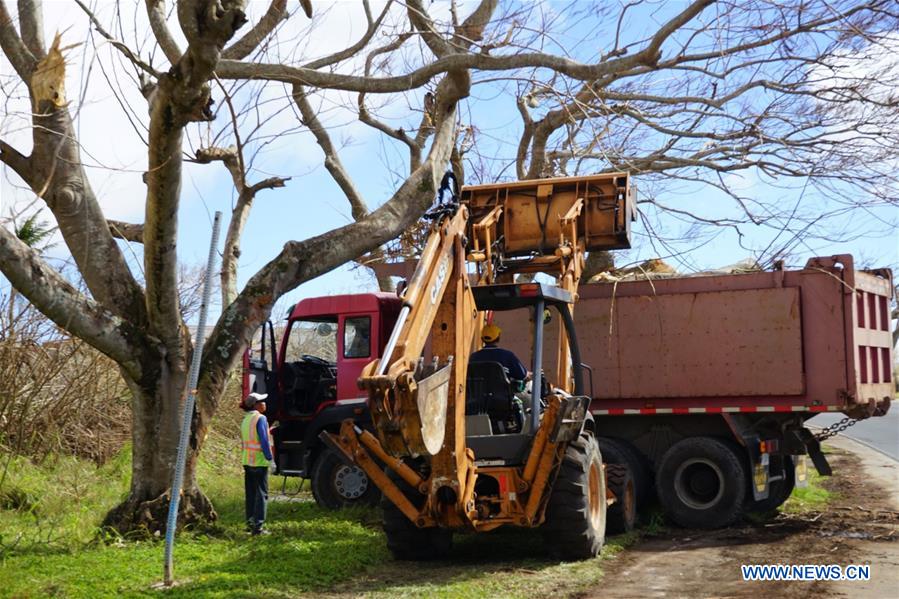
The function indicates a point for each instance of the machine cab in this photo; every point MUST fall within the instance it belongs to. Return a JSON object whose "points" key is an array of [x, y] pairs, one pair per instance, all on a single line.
{"points": [[500, 422]]}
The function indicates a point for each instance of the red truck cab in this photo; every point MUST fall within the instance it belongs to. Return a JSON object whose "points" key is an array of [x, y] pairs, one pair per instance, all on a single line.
{"points": [[311, 383]]}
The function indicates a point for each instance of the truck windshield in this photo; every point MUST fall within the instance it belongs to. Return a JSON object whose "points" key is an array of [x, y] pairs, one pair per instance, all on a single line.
{"points": [[312, 338]]}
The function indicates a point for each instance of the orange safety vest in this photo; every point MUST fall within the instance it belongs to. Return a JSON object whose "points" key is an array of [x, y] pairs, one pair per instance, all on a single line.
{"points": [[250, 445]]}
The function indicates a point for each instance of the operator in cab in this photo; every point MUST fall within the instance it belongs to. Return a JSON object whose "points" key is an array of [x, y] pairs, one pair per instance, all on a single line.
{"points": [[491, 352]]}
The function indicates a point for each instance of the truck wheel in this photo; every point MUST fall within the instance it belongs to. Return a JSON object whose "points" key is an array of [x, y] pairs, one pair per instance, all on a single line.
{"points": [[778, 491], [336, 485], [622, 514], [619, 451], [702, 483], [407, 541], [575, 525]]}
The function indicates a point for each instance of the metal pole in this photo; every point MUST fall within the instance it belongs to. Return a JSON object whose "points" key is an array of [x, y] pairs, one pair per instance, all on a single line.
{"points": [[536, 379], [187, 415]]}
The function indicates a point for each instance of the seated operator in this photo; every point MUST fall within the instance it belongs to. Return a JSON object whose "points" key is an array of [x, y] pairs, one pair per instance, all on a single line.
{"points": [[492, 353]]}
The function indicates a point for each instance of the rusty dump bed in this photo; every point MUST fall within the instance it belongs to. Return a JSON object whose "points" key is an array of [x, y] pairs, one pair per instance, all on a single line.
{"points": [[815, 339]]}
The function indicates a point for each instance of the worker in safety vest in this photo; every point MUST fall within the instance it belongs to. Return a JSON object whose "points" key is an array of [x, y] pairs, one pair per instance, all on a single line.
{"points": [[491, 352], [256, 453]]}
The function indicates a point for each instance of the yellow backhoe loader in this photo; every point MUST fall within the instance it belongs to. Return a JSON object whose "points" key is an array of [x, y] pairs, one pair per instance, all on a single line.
{"points": [[459, 449]]}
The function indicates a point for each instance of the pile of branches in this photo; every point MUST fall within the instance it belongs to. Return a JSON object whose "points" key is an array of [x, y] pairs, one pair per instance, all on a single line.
{"points": [[57, 394]]}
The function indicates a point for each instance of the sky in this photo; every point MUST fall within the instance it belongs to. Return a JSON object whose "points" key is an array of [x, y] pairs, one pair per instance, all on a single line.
{"points": [[112, 123]]}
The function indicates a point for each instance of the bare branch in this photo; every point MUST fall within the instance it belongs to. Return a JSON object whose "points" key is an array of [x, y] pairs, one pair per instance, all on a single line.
{"points": [[20, 164], [270, 183], [277, 12], [355, 48], [62, 303], [156, 12], [422, 21], [125, 50], [366, 117], [227, 156], [126, 231], [229, 69], [332, 160], [31, 21], [18, 54]]}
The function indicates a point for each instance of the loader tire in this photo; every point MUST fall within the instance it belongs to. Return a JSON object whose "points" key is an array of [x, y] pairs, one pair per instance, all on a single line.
{"points": [[621, 515], [702, 483], [619, 451], [575, 524], [336, 485], [405, 540], [778, 491]]}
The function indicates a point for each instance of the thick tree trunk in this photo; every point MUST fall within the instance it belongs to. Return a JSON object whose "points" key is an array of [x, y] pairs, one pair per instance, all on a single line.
{"points": [[156, 429]]}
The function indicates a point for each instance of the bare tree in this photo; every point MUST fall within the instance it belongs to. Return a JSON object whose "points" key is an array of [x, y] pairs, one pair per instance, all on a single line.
{"points": [[707, 91]]}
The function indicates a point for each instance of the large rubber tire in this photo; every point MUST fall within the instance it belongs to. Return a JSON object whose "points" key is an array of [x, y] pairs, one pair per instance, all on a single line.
{"points": [[619, 451], [622, 514], [407, 541], [336, 485], [702, 483], [575, 526], [778, 491]]}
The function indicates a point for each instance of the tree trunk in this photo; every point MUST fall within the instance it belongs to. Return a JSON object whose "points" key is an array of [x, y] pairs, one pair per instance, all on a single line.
{"points": [[156, 429]]}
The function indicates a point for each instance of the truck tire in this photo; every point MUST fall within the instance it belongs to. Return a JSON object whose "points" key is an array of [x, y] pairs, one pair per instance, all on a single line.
{"points": [[778, 491], [575, 524], [619, 451], [336, 485], [407, 541], [702, 483], [621, 515]]}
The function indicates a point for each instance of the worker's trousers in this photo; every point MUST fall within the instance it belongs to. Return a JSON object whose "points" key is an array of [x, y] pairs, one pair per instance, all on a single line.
{"points": [[256, 494]]}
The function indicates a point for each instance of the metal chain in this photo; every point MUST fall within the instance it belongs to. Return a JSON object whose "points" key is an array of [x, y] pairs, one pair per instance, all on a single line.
{"points": [[836, 428], [839, 427]]}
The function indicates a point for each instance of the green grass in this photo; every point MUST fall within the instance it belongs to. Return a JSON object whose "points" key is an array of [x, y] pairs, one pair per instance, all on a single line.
{"points": [[56, 506], [50, 546], [812, 497]]}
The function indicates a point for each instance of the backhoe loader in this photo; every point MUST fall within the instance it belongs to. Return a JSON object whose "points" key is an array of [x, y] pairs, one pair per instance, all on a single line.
{"points": [[456, 448]]}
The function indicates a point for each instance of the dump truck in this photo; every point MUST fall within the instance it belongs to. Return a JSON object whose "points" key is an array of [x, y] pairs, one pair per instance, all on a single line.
{"points": [[703, 384]]}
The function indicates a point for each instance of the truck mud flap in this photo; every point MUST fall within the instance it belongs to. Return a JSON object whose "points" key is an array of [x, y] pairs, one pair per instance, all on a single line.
{"points": [[813, 447], [759, 462]]}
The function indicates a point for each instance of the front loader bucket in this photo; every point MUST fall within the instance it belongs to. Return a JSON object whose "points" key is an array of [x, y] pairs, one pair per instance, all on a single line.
{"points": [[528, 216]]}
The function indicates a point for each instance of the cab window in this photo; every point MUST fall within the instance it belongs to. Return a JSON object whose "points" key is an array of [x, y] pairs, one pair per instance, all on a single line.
{"points": [[357, 337], [314, 338]]}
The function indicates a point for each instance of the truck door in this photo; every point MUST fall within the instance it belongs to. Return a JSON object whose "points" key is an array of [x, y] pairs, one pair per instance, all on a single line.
{"points": [[355, 350], [260, 369]]}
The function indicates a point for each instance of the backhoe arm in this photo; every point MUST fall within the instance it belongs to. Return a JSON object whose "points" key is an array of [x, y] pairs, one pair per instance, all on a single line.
{"points": [[407, 398]]}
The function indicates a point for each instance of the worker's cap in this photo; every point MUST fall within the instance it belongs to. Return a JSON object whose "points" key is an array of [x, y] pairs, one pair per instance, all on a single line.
{"points": [[490, 333], [254, 398]]}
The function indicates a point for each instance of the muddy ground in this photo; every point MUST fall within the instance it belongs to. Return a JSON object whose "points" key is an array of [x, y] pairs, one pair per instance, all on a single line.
{"points": [[860, 525]]}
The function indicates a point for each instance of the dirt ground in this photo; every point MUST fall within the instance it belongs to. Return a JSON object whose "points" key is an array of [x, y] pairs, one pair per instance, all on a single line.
{"points": [[859, 526]]}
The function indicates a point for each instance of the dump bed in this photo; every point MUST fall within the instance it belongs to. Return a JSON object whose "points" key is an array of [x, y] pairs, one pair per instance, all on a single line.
{"points": [[816, 339]]}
